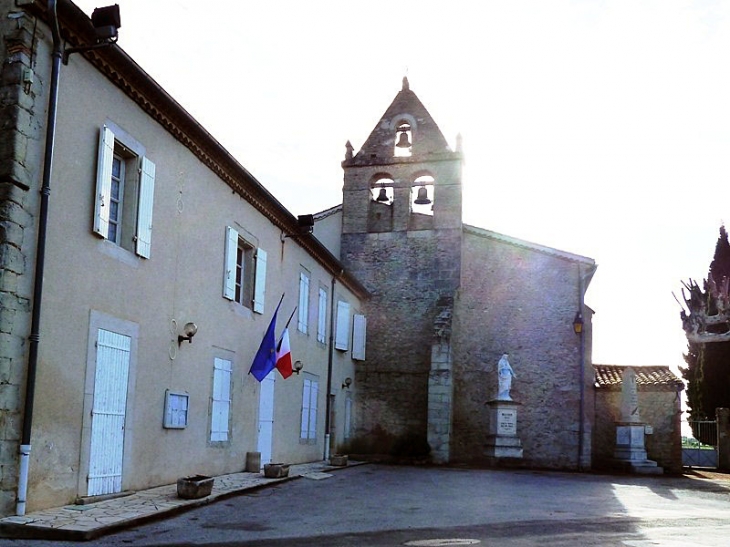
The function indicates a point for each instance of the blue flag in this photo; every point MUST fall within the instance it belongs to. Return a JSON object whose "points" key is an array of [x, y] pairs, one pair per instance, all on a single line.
{"points": [[265, 360]]}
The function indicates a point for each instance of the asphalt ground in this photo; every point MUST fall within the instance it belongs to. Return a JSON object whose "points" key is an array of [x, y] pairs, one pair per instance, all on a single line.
{"points": [[384, 505]]}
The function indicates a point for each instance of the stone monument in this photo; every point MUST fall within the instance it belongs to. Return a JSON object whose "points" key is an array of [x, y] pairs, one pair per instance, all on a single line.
{"points": [[502, 441], [630, 453]]}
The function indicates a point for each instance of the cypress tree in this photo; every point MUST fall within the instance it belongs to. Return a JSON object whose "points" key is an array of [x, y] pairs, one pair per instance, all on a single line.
{"points": [[708, 365]]}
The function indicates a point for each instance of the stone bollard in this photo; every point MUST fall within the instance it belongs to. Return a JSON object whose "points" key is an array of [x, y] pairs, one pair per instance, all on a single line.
{"points": [[253, 462]]}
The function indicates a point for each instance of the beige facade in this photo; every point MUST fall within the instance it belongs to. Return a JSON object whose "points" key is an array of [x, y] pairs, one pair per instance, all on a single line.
{"points": [[112, 310]]}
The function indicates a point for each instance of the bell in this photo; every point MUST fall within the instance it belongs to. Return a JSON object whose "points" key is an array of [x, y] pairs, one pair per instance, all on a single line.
{"points": [[382, 196], [403, 141], [422, 197]]}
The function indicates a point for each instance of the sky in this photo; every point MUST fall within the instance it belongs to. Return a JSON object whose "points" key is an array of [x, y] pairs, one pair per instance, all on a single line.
{"points": [[600, 128]]}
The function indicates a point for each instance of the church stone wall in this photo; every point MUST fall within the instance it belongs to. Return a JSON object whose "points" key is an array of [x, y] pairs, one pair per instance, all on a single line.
{"points": [[23, 106], [522, 302], [401, 269]]}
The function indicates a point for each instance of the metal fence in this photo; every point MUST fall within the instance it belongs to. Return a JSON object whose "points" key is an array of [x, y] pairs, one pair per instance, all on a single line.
{"points": [[699, 445]]}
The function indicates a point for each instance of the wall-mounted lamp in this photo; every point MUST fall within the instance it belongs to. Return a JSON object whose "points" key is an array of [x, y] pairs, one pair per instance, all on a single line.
{"points": [[106, 23], [578, 323], [298, 366], [189, 331], [348, 383]]}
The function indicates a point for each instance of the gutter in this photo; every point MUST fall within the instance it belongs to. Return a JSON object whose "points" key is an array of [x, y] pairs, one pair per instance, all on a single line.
{"points": [[35, 337], [583, 282], [330, 364]]}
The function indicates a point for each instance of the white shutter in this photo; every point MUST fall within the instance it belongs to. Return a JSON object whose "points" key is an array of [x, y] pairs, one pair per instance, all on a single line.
{"points": [[221, 400], [305, 408], [322, 316], [144, 211], [259, 286], [359, 327], [313, 410], [303, 322], [342, 334], [103, 197], [229, 266]]}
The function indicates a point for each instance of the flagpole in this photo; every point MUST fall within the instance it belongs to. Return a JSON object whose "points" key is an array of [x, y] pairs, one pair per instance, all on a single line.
{"points": [[290, 318]]}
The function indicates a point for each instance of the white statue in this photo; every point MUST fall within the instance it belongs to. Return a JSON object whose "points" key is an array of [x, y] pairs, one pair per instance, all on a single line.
{"points": [[505, 374]]}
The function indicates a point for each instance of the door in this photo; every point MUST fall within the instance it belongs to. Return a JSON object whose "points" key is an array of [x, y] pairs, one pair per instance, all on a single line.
{"points": [[266, 417], [108, 413]]}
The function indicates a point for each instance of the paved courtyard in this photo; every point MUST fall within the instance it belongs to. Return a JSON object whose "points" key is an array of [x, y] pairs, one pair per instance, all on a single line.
{"points": [[383, 505]]}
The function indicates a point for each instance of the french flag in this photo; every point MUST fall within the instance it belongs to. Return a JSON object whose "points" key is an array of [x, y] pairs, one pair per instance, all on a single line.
{"points": [[283, 355]]}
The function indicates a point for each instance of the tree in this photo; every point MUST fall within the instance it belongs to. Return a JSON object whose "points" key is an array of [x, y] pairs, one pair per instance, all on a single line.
{"points": [[706, 318], [707, 324]]}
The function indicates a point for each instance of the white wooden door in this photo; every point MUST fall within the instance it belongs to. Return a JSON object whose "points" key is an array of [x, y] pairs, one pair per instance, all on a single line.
{"points": [[109, 410], [266, 417]]}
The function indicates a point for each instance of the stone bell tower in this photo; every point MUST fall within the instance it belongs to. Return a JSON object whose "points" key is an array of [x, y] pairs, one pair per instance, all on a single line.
{"points": [[401, 236]]}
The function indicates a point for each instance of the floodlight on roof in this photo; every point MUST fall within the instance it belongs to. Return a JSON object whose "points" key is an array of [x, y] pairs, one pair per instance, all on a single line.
{"points": [[106, 22]]}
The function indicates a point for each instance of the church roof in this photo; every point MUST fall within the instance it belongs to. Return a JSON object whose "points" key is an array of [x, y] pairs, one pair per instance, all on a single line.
{"points": [[427, 139], [474, 230], [649, 378]]}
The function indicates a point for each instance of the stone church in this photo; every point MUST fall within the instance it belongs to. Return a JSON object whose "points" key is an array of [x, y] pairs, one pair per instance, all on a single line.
{"points": [[448, 300]]}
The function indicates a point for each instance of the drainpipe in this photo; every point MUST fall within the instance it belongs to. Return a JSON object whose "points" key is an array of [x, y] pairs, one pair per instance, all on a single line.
{"points": [[35, 336], [581, 418], [330, 359]]}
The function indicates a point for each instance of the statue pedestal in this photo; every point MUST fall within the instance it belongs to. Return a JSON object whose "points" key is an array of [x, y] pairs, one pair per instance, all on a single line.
{"points": [[630, 453], [502, 441]]}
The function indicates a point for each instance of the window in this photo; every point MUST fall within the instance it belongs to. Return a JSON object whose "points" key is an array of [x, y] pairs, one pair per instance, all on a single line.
{"points": [[359, 326], [221, 400], [342, 332], [244, 279], [176, 410], [322, 316], [309, 409], [303, 322], [125, 187]]}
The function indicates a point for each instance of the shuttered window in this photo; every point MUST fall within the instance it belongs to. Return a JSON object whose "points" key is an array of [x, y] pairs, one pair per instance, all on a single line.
{"points": [[259, 285], [308, 430], [359, 327], [244, 272], [322, 316], [342, 333], [221, 400], [125, 188], [303, 322]]}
